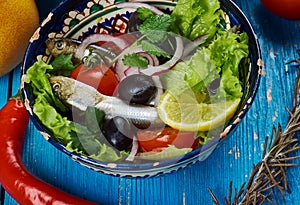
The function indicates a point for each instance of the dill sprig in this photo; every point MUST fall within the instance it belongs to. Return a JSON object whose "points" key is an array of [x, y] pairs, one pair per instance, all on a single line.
{"points": [[268, 179]]}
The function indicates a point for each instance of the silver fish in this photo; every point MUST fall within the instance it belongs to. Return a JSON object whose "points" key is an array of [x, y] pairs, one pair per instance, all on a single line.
{"points": [[58, 46], [80, 95]]}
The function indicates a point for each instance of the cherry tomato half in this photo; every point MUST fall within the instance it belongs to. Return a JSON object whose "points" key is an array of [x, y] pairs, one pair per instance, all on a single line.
{"points": [[289, 9], [158, 138], [100, 77]]}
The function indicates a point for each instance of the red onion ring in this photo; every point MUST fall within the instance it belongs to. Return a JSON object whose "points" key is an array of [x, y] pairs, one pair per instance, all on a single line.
{"points": [[156, 70], [136, 5], [152, 59], [131, 71], [147, 56], [159, 87], [94, 38], [134, 149], [122, 71], [120, 68]]}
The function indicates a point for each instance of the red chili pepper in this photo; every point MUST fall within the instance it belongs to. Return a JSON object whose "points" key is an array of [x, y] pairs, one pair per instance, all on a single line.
{"points": [[23, 186]]}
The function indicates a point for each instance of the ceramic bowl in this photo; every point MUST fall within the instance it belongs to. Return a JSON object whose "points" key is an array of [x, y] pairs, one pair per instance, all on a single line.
{"points": [[76, 18]]}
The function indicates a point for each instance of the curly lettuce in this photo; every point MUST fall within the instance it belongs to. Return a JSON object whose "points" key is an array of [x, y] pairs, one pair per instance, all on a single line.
{"points": [[49, 110], [195, 73], [46, 104], [195, 18], [220, 59], [227, 52]]}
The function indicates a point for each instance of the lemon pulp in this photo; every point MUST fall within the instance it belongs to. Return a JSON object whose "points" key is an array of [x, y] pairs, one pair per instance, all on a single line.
{"points": [[183, 112]]}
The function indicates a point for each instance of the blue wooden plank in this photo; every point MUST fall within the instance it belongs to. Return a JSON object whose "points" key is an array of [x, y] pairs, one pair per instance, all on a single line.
{"points": [[4, 82], [16, 79]]}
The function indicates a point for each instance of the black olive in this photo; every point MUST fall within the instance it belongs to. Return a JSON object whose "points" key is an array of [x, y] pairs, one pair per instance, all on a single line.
{"points": [[134, 22], [117, 132], [137, 89], [213, 86]]}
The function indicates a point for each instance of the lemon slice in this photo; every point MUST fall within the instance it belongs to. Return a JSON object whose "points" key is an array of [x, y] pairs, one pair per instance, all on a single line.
{"points": [[183, 112]]}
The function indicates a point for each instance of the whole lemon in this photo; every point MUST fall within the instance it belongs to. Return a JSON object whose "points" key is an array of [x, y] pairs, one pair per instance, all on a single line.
{"points": [[19, 19]]}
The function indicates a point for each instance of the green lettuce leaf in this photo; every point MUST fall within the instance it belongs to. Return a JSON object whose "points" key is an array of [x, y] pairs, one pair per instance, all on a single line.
{"points": [[108, 154], [220, 59], [50, 118], [46, 104], [164, 154], [86, 142], [77, 138], [195, 18], [195, 73], [84, 139], [38, 77], [226, 52]]}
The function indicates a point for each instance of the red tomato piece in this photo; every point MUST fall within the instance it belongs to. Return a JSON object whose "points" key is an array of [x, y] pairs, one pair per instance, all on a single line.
{"points": [[289, 9], [158, 138], [100, 77]]}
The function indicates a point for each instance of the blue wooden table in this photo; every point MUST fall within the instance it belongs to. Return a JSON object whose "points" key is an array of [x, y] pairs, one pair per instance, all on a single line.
{"points": [[232, 161]]}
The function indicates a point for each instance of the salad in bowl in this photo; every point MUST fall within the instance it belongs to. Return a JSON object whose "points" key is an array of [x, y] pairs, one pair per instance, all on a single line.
{"points": [[140, 88]]}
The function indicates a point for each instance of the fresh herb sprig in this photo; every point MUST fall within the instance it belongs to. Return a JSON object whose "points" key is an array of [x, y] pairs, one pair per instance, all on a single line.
{"points": [[269, 177], [154, 30], [135, 60], [155, 27]]}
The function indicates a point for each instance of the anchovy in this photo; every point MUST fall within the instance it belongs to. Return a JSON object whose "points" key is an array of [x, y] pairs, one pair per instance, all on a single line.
{"points": [[58, 46], [77, 94]]}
